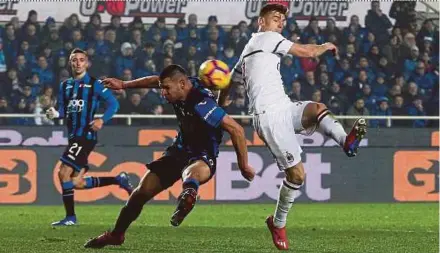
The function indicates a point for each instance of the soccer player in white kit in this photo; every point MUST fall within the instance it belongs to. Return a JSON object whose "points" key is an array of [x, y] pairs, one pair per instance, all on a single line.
{"points": [[276, 119]]}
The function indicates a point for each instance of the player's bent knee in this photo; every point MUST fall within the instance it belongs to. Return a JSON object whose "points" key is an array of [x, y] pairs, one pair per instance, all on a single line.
{"points": [[65, 172], [296, 174]]}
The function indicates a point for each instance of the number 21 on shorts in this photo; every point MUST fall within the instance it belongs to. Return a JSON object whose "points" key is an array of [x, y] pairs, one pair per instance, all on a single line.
{"points": [[74, 150]]}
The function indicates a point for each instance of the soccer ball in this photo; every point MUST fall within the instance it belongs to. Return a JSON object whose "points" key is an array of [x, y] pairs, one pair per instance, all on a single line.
{"points": [[215, 74]]}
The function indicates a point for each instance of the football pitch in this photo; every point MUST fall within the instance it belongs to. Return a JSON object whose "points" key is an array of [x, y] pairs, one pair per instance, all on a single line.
{"points": [[323, 227]]}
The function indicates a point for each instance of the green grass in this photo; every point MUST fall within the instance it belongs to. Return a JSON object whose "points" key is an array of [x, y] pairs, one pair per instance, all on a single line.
{"points": [[338, 228]]}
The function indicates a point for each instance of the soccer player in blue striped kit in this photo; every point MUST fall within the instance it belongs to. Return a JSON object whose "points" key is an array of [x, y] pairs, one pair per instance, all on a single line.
{"points": [[78, 101]]}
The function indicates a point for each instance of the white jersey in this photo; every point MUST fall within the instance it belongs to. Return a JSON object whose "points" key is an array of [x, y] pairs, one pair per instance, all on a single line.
{"points": [[259, 69]]}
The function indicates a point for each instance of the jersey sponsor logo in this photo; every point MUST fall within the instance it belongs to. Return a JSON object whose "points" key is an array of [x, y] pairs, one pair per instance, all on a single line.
{"points": [[209, 113], [416, 174], [155, 8], [18, 176], [75, 105], [203, 103]]}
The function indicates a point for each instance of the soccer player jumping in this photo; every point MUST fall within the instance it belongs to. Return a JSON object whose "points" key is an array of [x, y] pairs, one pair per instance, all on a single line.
{"points": [[78, 100], [276, 119], [192, 156]]}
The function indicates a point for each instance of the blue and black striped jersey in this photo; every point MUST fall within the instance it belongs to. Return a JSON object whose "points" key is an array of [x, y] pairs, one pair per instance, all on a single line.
{"points": [[199, 119], [78, 101]]}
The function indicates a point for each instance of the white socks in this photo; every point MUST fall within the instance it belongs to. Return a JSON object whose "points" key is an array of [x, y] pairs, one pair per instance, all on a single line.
{"points": [[285, 200], [331, 127]]}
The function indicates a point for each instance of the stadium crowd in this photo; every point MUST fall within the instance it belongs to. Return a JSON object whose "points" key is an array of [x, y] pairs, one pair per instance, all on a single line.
{"points": [[381, 69]]}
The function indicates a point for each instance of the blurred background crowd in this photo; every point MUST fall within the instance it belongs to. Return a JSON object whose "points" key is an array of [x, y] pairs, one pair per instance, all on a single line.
{"points": [[381, 69]]}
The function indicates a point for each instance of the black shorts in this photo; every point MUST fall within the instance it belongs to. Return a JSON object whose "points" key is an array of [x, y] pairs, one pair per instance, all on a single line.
{"points": [[77, 153], [170, 166]]}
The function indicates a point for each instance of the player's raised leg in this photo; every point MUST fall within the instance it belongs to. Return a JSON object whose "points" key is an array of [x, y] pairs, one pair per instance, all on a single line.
{"points": [[149, 187], [317, 115], [94, 182], [288, 190], [193, 176]]}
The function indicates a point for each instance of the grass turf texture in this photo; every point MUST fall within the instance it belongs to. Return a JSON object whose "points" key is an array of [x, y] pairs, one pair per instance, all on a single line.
{"points": [[339, 228]]}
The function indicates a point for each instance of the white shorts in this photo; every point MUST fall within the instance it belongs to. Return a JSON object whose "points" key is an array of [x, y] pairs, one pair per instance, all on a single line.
{"points": [[277, 128]]}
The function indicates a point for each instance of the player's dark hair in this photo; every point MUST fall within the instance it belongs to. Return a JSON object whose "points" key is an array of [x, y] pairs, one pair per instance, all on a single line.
{"points": [[273, 7], [172, 70]]}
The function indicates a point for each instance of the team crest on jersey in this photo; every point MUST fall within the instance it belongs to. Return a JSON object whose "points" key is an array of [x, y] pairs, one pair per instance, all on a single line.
{"points": [[289, 157]]}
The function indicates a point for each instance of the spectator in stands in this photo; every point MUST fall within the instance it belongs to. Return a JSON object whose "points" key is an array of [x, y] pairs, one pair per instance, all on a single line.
{"points": [[409, 42], [13, 86], [337, 100], [380, 88], [78, 39], [386, 67], [236, 41], [289, 71], [138, 24], [207, 30], [54, 41], [410, 63], [92, 26], [290, 28], [10, 44], [158, 27], [71, 23], [393, 50], [317, 96], [125, 60], [374, 56], [229, 57], [296, 94], [120, 31], [30, 57], [395, 91], [357, 109], [148, 69], [355, 29], [44, 72], [112, 42], [244, 30], [192, 24], [416, 108], [32, 38], [312, 30], [398, 109], [192, 68], [325, 84], [182, 30], [411, 93], [5, 108], [253, 26], [3, 63], [101, 47], [332, 29], [31, 20], [378, 23], [404, 13], [368, 98], [341, 70], [424, 80], [427, 30], [382, 110], [238, 107], [309, 84], [49, 26]]}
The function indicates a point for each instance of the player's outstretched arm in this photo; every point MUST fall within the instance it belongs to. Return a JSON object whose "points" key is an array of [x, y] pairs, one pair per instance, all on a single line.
{"points": [[311, 51], [239, 141], [143, 82], [112, 106]]}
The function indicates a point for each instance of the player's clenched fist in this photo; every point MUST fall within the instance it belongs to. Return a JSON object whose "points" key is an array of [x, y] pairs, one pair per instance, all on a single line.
{"points": [[248, 172], [113, 83], [51, 113]]}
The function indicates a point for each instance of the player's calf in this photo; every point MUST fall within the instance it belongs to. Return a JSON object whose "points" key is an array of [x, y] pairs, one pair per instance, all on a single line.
{"points": [[186, 201]]}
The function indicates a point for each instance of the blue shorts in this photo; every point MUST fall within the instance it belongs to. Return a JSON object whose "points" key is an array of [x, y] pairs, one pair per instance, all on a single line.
{"points": [[174, 161], [77, 153]]}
